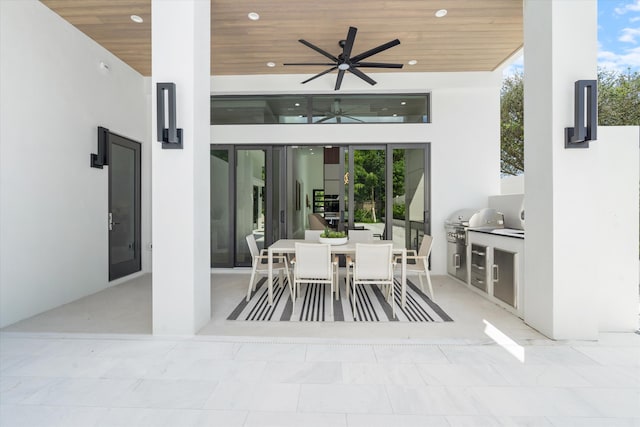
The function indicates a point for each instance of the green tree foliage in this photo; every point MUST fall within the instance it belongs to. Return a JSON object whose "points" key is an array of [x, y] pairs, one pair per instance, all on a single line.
{"points": [[618, 98], [369, 181], [512, 125], [398, 171], [369, 176], [618, 105]]}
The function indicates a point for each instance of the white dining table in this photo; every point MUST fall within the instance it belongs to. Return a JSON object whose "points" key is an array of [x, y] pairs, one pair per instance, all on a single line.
{"points": [[288, 246]]}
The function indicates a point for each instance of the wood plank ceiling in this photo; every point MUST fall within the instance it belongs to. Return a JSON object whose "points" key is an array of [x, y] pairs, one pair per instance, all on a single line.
{"points": [[475, 35]]}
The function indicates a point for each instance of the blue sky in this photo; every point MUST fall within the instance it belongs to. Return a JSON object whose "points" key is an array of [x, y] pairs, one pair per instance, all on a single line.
{"points": [[618, 36]]}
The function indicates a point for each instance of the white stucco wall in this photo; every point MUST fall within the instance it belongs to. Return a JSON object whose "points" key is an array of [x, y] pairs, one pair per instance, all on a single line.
{"points": [[617, 230], [464, 133], [53, 206]]}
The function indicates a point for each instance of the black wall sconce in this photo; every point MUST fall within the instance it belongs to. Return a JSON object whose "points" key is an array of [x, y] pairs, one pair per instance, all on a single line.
{"points": [[170, 137], [102, 158], [580, 135]]}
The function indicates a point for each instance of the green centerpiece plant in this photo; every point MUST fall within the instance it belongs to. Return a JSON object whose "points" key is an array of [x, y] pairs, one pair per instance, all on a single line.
{"points": [[331, 234], [333, 237]]}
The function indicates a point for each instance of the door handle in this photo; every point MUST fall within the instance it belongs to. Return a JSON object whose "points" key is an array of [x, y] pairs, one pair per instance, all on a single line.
{"points": [[112, 222], [496, 270], [456, 260]]}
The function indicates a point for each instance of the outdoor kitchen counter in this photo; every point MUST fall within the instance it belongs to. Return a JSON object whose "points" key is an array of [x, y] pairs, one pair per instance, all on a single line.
{"points": [[500, 244]]}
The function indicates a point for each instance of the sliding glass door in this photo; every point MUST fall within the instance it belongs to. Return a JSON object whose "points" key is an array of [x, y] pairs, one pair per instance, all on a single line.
{"points": [[246, 188], [387, 191], [269, 192]]}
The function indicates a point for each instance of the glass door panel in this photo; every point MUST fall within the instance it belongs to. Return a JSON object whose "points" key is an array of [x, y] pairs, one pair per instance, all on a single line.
{"points": [[221, 207], [409, 192], [251, 202], [276, 203], [367, 177]]}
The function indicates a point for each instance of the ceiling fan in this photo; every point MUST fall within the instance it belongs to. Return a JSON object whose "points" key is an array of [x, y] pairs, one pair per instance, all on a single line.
{"points": [[336, 113], [345, 62]]}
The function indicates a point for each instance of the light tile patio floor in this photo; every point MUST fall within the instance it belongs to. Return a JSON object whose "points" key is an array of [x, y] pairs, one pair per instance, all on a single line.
{"points": [[94, 363]]}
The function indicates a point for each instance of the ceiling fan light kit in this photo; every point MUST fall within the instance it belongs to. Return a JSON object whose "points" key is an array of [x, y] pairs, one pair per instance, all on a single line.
{"points": [[345, 62]]}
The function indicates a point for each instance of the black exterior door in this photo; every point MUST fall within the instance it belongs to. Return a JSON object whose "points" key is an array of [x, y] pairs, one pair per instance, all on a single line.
{"points": [[124, 207]]}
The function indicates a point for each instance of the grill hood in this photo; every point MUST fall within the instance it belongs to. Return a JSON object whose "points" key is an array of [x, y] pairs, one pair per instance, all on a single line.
{"points": [[476, 218]]}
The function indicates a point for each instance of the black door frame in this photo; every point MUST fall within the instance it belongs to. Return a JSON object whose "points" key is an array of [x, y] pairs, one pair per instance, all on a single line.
{"points": [[122, 269]]}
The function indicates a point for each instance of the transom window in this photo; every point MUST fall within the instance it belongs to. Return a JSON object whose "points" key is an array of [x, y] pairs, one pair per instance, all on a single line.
{"points": [[318, 109]]}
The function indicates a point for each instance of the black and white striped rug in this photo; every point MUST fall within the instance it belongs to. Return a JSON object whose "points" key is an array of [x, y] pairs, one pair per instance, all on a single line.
{"points": [[312, 305]]}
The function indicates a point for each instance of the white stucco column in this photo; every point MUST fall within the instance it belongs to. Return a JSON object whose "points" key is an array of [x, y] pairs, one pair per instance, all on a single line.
{"points": [[180, 178], [560, 47]]}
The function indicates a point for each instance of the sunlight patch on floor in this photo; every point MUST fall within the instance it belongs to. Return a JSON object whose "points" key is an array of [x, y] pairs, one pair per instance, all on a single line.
{"points": [[504, 341]]}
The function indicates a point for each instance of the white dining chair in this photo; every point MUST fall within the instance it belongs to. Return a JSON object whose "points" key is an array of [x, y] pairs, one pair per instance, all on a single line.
{"points": [[260, 266], [313, 264], [418, 263], [357, 236], [360, 236], [373, 266]]}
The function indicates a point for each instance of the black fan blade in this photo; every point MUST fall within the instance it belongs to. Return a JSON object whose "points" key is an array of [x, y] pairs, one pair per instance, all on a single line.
{"points": [[320, 74], [375, 50], [325, 119], [375, 65], [339, 79], [353, 118], [310, 63], [363, 76], [348, 46], [320, 51]]}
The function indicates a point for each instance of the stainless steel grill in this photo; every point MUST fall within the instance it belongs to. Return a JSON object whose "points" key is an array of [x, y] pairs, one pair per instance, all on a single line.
{"points": [[456, 227]]}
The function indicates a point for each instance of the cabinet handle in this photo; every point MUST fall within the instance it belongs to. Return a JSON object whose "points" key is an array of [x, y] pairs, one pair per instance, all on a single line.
{"points": [[496, 270], [479, 267], [456, 260], [477, 253], [479, 281]]}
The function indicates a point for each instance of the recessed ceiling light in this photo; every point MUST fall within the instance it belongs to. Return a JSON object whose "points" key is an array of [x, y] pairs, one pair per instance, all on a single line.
{"points": [[412, 62], [137, 19], [403, 103], [395, 115], [253, 16], [441, 13], [297, 104], [271, 64]]}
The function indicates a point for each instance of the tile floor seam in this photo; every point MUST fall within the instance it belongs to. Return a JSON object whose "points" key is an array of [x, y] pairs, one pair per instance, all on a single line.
{"points": [[386, 393]]}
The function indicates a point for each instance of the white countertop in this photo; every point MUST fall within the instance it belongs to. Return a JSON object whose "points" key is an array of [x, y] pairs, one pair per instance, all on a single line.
{"points": [[508, 232]]}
